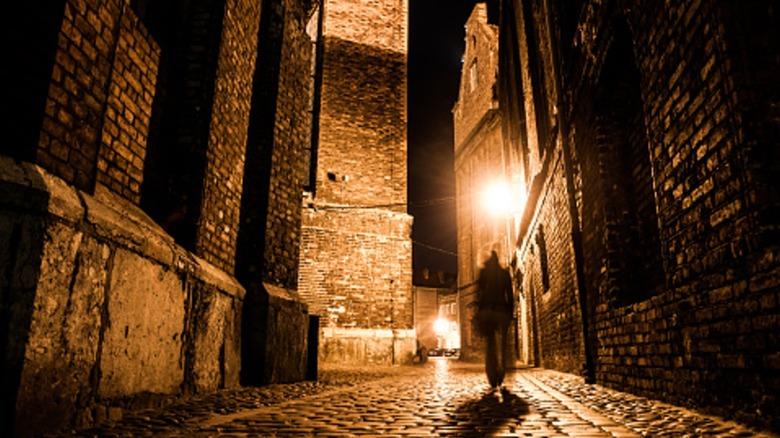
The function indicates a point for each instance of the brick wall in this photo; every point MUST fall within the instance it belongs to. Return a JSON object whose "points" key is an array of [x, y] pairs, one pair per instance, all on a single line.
{"points": [[292, 131], [548, 247], [362, 143], [356, 243], [228, 126], [704, 333], [128, 109], [79, 89], [477, 95], [357, 267], [150, 102]]}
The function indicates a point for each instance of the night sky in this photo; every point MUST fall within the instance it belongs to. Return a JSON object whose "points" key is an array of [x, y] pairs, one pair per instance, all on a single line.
{"points": [[436, 42]]}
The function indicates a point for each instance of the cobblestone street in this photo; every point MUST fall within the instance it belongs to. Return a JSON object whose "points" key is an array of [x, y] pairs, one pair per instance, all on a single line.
{"points": [[442, 398]]}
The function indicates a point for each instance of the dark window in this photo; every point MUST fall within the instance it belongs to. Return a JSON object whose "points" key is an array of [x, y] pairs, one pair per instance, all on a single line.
{"points": [[543, 259], [632, 237]]}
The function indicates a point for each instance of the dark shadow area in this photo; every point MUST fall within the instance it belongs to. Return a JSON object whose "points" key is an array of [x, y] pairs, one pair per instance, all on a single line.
{"points": [[488, 415], [29, 41], [22, 234]]}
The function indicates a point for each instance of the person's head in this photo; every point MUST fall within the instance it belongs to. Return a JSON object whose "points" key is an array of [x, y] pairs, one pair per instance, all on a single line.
{"points": [[492, 258]]}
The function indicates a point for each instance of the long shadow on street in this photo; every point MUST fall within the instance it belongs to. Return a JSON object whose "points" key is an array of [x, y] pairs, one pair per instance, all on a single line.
{"points": [[488, 415]]}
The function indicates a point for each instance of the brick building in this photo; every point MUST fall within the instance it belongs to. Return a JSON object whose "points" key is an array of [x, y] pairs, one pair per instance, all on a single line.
{"points": [[151, 174], [647, 138], [482, 165], [356, 271]]}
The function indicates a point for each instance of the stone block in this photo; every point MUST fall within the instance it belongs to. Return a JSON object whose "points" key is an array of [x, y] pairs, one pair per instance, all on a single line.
{"points": [[142, 344], [208, 325], [275, 332]]}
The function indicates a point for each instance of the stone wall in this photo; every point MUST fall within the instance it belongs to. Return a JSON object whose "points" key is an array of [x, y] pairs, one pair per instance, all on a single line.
{"points": [[108, 312]]}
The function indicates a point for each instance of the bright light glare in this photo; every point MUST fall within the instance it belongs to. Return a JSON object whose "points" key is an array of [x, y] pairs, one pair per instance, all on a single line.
{"points": [[497, 199], [441, 326]]}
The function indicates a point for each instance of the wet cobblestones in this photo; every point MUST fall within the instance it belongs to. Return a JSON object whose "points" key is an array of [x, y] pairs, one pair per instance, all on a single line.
{"points": [[442, 398]]}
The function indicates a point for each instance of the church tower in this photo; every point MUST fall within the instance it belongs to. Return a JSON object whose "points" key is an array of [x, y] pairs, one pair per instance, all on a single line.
{"points": [[356, 254]]}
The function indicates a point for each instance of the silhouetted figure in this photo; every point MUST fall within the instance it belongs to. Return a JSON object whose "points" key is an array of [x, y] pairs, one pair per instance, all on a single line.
{"points": [[495, 303]]}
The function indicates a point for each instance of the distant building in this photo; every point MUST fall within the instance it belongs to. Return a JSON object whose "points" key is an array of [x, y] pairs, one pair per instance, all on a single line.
{"points": [[482, 164], [435, 299], [356, 253]]}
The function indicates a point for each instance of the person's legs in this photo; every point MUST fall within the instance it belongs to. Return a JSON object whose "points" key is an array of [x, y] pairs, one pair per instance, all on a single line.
{"points": [[503, 351], [491, 358]]}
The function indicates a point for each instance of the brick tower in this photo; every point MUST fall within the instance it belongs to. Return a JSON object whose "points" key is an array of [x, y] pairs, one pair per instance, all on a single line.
{"points": [[355, 268]]}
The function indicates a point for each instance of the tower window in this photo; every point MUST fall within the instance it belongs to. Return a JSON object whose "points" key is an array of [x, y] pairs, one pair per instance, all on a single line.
{"points": [[473, 75]]}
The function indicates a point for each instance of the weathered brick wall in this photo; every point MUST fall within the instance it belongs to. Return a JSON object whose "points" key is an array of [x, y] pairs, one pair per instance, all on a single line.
{"points": [[356, 261], [79, 90], [99, 259], [671, 182], [292, 132], [128, 110], [356, 273], [228, 126], [706, 336], [362, 143], [358, 268], [548, 247]]}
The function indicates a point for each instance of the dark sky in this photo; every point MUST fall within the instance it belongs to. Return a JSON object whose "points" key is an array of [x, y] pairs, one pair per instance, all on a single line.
{"points": [[436, 40]]}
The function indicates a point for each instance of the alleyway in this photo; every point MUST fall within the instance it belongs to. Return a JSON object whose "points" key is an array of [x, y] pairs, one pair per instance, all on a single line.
{"points": [[442, 398]]}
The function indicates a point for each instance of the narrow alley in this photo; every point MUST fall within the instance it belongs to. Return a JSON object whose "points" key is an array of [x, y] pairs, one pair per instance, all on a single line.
{"points": [[441, 398], [243, 218]]}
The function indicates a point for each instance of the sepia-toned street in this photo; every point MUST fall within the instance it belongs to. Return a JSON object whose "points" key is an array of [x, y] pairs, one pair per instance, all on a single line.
{"points": [[441, 398]]}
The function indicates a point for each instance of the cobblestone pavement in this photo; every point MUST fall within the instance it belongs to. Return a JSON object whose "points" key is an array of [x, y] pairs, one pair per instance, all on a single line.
{"points": [[442, 398]]}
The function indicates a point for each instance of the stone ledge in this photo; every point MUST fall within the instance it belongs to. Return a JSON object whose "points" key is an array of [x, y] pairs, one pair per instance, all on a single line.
{"points": [[30, 189]]}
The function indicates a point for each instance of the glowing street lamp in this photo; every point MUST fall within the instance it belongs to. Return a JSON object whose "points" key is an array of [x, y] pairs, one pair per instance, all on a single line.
{"points": [[497, 199]]}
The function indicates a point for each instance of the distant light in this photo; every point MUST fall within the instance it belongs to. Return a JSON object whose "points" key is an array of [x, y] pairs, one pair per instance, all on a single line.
{"points": [[441, 327]]}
